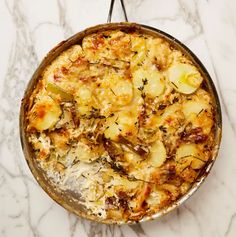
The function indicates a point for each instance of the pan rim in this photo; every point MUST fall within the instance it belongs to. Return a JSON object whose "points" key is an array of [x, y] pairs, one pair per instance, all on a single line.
{"points": [[53, 53]]}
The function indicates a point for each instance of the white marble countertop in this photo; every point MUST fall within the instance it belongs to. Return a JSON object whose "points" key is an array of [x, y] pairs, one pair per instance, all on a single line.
{"points": [[30, 28]]}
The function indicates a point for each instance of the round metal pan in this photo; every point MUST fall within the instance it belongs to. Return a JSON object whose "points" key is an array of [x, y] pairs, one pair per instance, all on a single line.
{"points": [[69, 199]]}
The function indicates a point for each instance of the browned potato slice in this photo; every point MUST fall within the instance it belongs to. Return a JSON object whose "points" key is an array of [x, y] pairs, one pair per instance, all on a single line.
{"points": [[45, 113]]}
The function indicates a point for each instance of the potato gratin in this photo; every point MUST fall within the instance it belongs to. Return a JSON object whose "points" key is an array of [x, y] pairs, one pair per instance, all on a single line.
{"points": [[125, 121]]}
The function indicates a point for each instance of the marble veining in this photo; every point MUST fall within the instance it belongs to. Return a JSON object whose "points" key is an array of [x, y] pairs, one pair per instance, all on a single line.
{"points": [[30, 28]]}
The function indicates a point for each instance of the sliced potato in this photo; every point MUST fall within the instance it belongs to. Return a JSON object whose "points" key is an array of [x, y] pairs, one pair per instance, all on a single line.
{"points": [[64, 60], [115, 90], [84, 94], [159, 53], [45, 113], [192, 108], [149, 81], [122, 124], [185, 78], [198, 112], [83, 152], [84, 100], [123, 91], [59, 140], [138, 46], [157, 154], [112, 131], [190, 155], [171, 118], [98, 46], [75, 52]]}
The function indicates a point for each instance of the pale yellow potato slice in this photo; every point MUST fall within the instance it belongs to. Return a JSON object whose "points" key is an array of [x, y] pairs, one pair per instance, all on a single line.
{"points": [[138, 46], [84, 153], [45, 113], [149, 81], [115, 90], [122, 124], [185, 78], [84, 94], [159, 53], [123, 91], [190, 155], [112, 130], [192, 108], [84, 100], [157, 154]]}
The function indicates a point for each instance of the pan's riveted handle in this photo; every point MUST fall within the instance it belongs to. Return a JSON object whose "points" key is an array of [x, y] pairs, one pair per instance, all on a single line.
{"points": [[111, 10]]}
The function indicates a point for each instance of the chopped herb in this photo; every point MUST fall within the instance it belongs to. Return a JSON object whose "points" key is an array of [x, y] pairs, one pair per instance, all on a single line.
{"points": [[145, 81], [141, 88], [175, 100], [163, 129], [106, 36], [143, 95], [154, 111], [161, 106], [174, 85], [200, 112], [112, 91]]}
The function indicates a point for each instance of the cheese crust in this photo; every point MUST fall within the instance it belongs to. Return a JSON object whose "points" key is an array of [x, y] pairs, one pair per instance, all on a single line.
{"points": [[124, 120]]}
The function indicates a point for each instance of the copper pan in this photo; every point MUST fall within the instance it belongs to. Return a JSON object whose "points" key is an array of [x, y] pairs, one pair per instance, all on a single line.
{"points": [[68, 199]]}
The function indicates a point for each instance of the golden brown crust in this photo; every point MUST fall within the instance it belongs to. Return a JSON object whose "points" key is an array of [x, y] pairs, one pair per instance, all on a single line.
{"points": [[123, 120]]}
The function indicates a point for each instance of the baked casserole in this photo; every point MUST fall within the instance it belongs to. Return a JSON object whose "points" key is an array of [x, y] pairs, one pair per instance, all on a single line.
{"points": [[125, 121]]}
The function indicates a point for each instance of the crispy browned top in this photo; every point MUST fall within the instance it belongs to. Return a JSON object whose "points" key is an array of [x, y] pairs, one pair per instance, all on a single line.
{"points": [[123, 120]]}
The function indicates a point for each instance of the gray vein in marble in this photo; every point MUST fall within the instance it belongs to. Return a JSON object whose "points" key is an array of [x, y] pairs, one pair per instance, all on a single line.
{"points": [[42, 24], [73, 223], [15, 216], [232, 220], [62, 18], [44, 214], [216, 77], [190, 18], [224, 185], [220, 93], [138, 230], [13, 176], [3, 233], [194, 215], [166, 18], [95, 230], [121, 232]]}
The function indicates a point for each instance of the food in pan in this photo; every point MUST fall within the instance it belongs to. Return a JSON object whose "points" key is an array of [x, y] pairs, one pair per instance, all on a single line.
{"points": [[125, 121]]}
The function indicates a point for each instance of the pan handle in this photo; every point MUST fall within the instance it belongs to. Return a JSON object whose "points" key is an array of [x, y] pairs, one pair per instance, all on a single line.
{"points": [[111, 10]]}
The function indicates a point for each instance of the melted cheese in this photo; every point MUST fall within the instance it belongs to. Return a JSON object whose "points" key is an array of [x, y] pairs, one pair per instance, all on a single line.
{"points": [[123, 121]]}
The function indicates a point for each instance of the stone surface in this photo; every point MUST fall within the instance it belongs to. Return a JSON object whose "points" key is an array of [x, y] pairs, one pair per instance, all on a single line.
{"points": [[30, 28]]}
